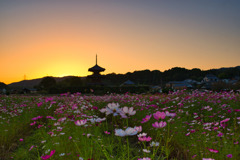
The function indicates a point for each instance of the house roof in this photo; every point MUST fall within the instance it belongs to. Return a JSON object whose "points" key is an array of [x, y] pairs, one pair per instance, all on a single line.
{"points": [[128, 82], [210, 76]]}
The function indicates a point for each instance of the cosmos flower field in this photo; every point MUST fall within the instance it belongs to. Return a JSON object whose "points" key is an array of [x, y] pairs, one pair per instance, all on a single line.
{"points": [[180, 125]]}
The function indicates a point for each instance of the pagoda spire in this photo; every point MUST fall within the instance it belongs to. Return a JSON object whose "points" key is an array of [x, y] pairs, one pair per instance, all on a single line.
{"points": [[96, 59]]}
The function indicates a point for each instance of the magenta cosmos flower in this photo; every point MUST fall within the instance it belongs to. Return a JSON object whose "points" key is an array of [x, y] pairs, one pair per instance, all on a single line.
{"points": [[145, 138], [213, 150], [48, 156], [159, 125], [159, 115], [147, 118], [229, 155]]}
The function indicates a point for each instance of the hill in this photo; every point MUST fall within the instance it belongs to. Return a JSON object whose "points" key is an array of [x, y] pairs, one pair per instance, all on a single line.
{"points": [[148, 77], [32, 83]]}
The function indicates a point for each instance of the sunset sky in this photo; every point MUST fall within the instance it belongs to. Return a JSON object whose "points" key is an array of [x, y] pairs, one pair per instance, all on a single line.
{"points": [[62, 37]]}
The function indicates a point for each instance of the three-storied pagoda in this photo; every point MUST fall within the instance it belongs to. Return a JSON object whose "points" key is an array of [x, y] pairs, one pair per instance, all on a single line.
{"points": [[96, 76]]}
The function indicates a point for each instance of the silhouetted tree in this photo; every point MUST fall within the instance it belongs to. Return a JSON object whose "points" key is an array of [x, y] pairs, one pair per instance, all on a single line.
{"points": [[72, 82], [3, 85], [47, 83]]}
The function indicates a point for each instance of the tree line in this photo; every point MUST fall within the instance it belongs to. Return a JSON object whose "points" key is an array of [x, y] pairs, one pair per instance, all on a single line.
{"points": [[142, 79]]}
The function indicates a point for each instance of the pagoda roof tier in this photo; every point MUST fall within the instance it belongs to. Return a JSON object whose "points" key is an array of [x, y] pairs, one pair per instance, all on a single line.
{"points": [[96, 68]]}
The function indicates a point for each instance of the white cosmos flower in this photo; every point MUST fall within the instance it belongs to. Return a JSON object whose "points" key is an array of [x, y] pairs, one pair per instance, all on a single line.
{"points": [[62, 154], [80, 122], [128, 132], [142, 135], [113, 108], [154, 144], [146, 151], [170, 114], [94, 120], [120, 132], [131, 131], [103, 110], [128, 111]]}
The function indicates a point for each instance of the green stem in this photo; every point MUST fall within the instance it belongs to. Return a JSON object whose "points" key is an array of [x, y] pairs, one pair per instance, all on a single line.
{"points": [[128, 147], [103, 150], [127, 142]]}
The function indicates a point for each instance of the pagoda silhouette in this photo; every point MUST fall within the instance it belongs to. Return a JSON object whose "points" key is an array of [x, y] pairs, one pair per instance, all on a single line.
{"points": [[96, 77]]}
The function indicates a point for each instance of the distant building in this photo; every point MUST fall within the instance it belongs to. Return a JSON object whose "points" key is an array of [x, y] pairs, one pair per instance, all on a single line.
{"points": [[128, 83], [210, 78], [178, 85], [96, 76]]}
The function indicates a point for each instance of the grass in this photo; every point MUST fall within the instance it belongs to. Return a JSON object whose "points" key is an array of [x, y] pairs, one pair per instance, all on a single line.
{"points": [[204, 125]]}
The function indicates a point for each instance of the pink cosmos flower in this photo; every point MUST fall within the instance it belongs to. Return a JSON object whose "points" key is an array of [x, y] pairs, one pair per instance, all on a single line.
{"points": [[159, 125], [95, 108], [208, 159], [220, 134], [225, 120], [62, 119], [106, 132], [229, 155], [159, 115], [20, 139], [50, 117], [39, 104], [30, 148], [31, 124], [80, 122], [36, 118], [144, 158], [138, 128], [213, 150], [48, 156], [147, 139], [51, 133], [147, 118]]}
